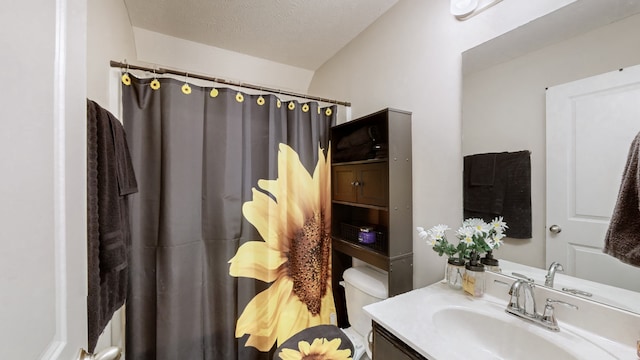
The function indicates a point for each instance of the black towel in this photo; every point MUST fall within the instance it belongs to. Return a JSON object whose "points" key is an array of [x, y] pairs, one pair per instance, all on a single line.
{"points": [[482, 168], [503, 189], [623, 236], [110, 178], [357, 145]]}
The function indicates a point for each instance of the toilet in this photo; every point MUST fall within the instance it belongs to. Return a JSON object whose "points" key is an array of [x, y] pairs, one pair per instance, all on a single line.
{"points": [[363, 285]]}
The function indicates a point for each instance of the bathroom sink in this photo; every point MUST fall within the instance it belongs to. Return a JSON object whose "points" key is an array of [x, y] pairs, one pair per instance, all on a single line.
{"points": [[481, 328], [494, 338]]}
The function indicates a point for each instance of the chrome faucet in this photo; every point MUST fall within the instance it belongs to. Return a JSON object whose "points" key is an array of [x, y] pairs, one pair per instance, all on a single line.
{"points": [[523, 305], [551, 274]]}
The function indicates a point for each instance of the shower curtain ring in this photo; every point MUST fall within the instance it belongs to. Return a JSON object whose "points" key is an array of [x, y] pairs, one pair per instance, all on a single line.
{"points": [[126, 79], [155, 84], [186, 89], [239, 96], [260, 101]]}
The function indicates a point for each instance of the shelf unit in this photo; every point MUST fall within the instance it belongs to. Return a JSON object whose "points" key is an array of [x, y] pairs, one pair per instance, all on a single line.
{"points": [[371, 187]]}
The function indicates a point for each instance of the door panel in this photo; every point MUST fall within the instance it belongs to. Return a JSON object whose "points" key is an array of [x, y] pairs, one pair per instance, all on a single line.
{"points": [[42, 153], [342, 184], [590, 126], [373, 184]]}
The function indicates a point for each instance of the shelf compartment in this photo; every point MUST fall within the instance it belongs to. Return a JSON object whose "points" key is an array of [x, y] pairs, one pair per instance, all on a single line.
{"points": [[364, 206], [361, 252], [350, 232], [357, 162]]}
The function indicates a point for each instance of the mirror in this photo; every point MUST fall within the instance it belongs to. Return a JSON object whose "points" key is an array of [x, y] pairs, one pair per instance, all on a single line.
{"points": [[504, 82]]}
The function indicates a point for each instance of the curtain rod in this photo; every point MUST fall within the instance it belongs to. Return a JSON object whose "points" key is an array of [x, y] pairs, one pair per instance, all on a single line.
{"points": [[226, 82]]}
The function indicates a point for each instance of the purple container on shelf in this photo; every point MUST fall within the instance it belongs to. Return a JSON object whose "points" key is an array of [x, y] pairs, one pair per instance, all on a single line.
{"points": [[366, 235]]}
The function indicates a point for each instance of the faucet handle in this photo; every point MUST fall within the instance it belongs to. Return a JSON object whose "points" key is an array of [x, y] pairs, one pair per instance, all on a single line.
{"points": [[518, 275], [548, 316]]}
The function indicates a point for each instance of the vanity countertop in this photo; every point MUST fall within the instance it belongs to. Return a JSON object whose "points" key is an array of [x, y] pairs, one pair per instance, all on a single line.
{"points": [[408, 317]]}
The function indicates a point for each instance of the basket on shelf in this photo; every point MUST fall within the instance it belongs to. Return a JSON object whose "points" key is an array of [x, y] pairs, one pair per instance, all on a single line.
{"points": [[351, 233]]}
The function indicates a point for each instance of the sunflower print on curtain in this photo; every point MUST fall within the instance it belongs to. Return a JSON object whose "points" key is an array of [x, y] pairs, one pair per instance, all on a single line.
{"points": [[292, 215]]}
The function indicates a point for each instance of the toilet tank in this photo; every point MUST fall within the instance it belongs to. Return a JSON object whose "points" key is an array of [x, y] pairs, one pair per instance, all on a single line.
{"points": [[363, 285]]}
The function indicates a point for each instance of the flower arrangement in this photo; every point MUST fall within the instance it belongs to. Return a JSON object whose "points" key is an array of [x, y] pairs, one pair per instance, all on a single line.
{"points": [[475, 237]]}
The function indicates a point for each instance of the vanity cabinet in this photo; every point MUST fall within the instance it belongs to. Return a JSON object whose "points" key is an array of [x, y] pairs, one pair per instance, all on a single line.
{"points": [[371, 188], [388, 346]]}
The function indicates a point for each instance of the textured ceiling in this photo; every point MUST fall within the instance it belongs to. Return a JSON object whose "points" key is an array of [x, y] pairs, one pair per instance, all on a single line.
{"points": [[302, 33]]}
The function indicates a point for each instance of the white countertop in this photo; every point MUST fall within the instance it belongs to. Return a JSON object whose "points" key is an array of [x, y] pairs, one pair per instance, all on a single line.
{"points": [[408, 317]]}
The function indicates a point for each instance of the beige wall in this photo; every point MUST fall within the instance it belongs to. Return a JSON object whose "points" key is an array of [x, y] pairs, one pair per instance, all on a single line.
{"points": [[410, 59], [506, 103], [171, 52], [109, 37]]}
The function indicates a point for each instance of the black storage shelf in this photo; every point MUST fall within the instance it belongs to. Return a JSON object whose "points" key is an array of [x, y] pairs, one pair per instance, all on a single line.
{"points": [[371, 186]]}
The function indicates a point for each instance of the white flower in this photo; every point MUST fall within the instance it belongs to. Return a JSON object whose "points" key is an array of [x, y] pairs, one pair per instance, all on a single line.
{"points": [[472, 222], [496, 239], [431, 240], [465, 234], [439, 230], [464, 231], [422, 233], [498, 224], [430, 236], [482, 229], [479, 226]]}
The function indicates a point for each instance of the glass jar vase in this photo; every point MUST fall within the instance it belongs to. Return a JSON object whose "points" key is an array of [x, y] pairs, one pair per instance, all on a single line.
{"points": [[473, 279], [454, 272]]}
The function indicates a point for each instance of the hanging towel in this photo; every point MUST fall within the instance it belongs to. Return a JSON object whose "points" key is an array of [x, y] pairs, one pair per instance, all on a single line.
{"points": [[499, 184], [110, 178], [623, 236], [482, 169]]}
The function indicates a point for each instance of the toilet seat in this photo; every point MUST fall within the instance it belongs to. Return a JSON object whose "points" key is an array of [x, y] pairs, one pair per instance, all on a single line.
{"points": [[359, 345], [350, 339]]}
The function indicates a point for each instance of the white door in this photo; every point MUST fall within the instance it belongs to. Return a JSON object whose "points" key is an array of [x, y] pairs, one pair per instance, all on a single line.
{"points": [[42, 187], [590, 126]]}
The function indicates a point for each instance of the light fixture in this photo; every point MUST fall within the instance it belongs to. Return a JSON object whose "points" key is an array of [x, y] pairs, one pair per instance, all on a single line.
{"points": [[464, 9]]}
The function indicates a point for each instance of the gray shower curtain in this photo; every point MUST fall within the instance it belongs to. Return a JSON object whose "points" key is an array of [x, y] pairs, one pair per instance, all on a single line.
{"points": [[208, 278]]}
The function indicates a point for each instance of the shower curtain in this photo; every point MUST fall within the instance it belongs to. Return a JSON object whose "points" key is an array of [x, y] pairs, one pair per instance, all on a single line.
{"points": [[230, 252]]}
